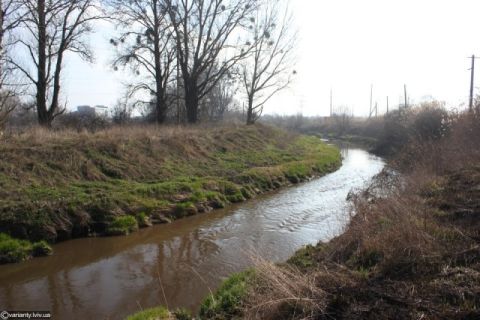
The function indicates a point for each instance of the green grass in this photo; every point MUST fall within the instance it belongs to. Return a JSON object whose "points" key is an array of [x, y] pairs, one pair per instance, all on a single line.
{"points": [[158, 313], [146, 175], [142, 220], [122, 225], [41, 248], [227, 301], [304, 258], [15, 250]]}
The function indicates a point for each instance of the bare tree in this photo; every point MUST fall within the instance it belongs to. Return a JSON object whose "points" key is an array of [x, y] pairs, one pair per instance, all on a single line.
{"points": [[342, 117], [218, 101], [122, 111], [206, 35], [269, 68], [11, 16], [8, 102], [51, 29], [145, 43]]}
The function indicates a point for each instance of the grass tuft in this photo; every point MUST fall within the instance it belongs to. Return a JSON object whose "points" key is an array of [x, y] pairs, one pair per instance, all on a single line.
{"points": [[16, 250], [227, 302], [158, 313], [122, 225]]}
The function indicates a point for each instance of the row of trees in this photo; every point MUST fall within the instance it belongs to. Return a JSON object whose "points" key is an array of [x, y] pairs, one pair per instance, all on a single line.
{"points": [[181, 52]]}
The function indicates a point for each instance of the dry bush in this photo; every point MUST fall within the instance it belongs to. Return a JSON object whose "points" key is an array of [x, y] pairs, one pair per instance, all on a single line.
{"points": [[79, 122], [395, 237], [459, 146], [283, 290], [8, 103]]}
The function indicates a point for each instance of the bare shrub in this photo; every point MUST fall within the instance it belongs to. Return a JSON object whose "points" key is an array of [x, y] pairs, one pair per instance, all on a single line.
{"points": [[282, 290], [8, 103], [457, 147], [76, 121], [122, 111]]}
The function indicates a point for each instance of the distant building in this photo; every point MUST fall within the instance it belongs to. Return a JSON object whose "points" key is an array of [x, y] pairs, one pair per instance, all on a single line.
{"points": [[102, 110], [86, 110], [92, 111]]}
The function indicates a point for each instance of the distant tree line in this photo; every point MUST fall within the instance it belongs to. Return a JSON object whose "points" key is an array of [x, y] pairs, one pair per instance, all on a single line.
{"points": [[189, 59], [387, 134]]}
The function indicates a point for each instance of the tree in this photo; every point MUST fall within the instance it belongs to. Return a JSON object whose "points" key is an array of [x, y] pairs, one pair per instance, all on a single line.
{"points": [[51, 29], [218, 101], [206, 48], [342, 117], [8, 102], [122, 111], [145, 43], [10, 18], [270, 66]]}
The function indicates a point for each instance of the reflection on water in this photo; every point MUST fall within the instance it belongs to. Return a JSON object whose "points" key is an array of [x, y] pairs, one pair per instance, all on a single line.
{"points": [[108, 278]]}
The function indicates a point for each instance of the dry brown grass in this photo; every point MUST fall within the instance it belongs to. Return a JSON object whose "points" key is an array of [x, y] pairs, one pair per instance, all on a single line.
{"points": [[411, 251], [40, 135], [281, 291], [396, 260], [459, 147]]}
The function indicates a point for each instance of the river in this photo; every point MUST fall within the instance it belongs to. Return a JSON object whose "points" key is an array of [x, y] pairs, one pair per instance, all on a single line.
{"points": [[177, 264]]}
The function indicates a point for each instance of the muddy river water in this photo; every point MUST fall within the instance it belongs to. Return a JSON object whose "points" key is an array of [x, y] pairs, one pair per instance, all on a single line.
{"points": [[177, 264]]}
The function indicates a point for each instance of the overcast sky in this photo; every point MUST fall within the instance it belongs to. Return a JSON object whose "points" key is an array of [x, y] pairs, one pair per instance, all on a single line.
{"points": [[346, 45]]}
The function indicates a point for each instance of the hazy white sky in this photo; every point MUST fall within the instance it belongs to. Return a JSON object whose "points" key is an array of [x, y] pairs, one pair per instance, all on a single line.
{"points": [[346, 45]]}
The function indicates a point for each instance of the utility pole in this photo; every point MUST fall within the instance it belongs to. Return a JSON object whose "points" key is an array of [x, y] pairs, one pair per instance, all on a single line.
{"points": [[472, 75], [371, 101], [331, 102], [387, 104], [376, 109], [406, 98]]}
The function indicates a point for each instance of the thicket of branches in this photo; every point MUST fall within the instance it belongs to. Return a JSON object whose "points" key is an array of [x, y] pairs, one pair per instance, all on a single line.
{"points": [[189, 60]]}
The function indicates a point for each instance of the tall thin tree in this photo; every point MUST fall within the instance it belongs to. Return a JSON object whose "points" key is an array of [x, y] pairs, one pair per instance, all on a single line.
{"points": [[11, 15], [269, 69], [52, 28], [146, 44]]}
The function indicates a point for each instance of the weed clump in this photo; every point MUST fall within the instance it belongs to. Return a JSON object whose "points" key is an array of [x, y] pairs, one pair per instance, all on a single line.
{"points": [[41, 248], [143, 220], [122, 225], [182, 314], [185, 209], [227, 302], [16, 250], [157, 313]]}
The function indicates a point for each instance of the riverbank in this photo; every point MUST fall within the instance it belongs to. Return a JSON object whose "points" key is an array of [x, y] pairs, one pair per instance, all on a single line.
{"points": [[411, 250], [57, 186]]}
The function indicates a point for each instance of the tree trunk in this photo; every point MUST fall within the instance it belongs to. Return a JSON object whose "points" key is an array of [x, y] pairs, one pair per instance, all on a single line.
{"points": [[56, 86], [44, 118], [160, 104], [1, 42], [191, 102], [160, 109], [250, 115]]}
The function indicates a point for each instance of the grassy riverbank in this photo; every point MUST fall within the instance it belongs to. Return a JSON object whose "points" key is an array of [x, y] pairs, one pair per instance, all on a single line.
{"points": [[59, 185]]}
